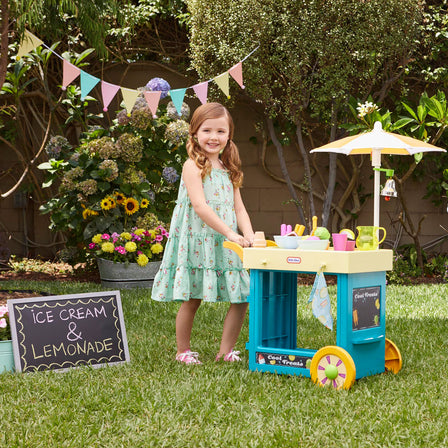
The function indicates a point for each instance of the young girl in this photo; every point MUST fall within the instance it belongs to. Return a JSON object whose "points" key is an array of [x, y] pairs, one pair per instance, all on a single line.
{"points": [[209, 210]]}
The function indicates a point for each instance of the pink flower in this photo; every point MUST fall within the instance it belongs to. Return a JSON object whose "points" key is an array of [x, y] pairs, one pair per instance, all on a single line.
{"points": [[159, 237], [92, 246], [121, 250], [3, 323], [105, 236]]}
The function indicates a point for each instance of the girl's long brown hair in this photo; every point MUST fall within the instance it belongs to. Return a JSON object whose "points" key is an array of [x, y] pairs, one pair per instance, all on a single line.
{"points": [[230, 157]]}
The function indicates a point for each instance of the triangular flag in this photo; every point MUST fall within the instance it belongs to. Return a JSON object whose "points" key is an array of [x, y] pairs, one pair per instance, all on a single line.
{"points": [[153, 98], [223, 83], [29, 43], [108, 91], [88, 82], [70, 73], [236, 72], [201, 91], [129, 98], [177, 96]]}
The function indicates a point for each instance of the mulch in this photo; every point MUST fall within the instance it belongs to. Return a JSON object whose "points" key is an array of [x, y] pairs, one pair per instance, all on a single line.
{"points": [[5, 294]]}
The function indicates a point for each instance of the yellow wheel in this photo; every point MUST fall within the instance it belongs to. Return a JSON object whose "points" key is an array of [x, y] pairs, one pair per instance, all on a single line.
{"points": [[393, 361], [334, 367]]}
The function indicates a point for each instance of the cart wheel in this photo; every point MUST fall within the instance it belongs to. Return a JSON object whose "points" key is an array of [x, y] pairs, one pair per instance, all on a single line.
{"points": [[333, 366], [393, 361]]}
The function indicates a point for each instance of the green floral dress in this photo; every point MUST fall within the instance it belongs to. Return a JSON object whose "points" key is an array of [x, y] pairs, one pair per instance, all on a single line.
{"points": [[195, 265]]}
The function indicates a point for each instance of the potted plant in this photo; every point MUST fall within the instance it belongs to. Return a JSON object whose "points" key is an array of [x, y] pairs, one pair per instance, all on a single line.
{"points": [[117, 179], [129, 259], [6, 352]]}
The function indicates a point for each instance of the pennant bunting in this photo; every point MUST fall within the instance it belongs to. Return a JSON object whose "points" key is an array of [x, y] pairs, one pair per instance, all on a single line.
{"points": [[108, 91], [70, 73], [153, 98], [223, 83], [236, 72], [29, 43], [129, 98], [201, 91], [177, 96], [88, 82]]}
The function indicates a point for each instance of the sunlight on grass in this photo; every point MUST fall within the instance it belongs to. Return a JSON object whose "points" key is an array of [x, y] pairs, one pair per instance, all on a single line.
{"points": [[154, 401]]}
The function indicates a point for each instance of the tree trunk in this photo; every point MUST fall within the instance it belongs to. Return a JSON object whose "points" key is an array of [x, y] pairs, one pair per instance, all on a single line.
{"points": [[306, 166], [4, 42], [408, 225], [284, 169]]}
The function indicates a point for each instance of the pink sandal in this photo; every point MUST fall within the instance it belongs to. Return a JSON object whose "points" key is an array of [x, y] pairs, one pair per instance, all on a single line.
{"points": [[232, 356], [188, 357]]}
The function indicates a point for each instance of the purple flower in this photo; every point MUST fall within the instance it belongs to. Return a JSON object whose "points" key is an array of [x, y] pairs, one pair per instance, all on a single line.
{"points": [[170, 174], [156, 84]]}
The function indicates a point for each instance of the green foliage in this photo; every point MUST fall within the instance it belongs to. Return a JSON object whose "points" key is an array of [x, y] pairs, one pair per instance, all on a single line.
{"points": [[406, 270], [427, 120], [56, 19], [311, 54], [119, 178], [430, 65]]}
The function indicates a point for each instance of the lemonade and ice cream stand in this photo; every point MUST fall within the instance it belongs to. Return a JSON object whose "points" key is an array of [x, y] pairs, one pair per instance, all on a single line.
{"points": [[362, 348]]}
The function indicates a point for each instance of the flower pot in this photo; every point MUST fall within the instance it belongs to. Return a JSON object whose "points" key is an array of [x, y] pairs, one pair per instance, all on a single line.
{"points": [[130, 275], [6, 357]]}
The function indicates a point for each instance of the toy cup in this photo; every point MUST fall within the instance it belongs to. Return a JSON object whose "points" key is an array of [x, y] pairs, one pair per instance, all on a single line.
{"points": [[350, 245], [259, 240], [339, 241]]}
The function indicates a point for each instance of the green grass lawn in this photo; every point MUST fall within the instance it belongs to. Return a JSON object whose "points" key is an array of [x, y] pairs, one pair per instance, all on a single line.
{"points": [[155, 402]]}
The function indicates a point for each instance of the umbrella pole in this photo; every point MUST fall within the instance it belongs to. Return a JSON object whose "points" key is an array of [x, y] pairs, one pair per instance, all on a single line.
{"points": [[376, 163]]}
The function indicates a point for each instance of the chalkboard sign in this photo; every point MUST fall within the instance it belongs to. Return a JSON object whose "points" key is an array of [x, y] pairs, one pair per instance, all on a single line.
{"points": [[366, 307], [60, 332]]}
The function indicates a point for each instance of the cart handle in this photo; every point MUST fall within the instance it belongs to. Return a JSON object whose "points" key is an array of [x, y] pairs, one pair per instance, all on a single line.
{"points": [[238, 249], [235, 247]]}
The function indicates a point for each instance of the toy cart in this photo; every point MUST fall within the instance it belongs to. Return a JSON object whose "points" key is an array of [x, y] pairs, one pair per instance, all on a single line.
{"points": [[361, 349]]}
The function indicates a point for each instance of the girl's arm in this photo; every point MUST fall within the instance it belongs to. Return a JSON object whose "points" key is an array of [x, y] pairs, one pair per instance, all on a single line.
{"points": [[191, 175], [242, 217]]}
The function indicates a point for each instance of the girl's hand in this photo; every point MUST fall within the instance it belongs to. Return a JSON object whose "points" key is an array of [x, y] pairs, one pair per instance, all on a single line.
{"points": [[239, 239], [250, 237]]}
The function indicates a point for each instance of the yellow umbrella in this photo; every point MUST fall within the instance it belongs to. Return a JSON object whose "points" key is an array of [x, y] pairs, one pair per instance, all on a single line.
{"points": [[378, 142]]}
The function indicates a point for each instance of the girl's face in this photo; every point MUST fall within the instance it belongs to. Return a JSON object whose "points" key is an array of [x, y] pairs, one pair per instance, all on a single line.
{"points": [[213, 135]]}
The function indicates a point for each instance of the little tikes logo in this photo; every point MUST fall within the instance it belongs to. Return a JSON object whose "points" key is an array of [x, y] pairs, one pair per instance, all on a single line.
{"points": [[293, 260]]}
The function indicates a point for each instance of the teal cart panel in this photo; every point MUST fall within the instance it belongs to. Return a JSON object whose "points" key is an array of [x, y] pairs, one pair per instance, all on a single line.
{"points": [[361, 320], [272, 342]]}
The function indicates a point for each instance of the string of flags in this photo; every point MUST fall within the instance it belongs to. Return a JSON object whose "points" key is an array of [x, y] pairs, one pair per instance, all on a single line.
{"points": [[108, 91]]}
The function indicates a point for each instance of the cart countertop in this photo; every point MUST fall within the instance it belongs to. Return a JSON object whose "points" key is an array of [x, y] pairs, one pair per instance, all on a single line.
{"points": [[335, 262]]}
